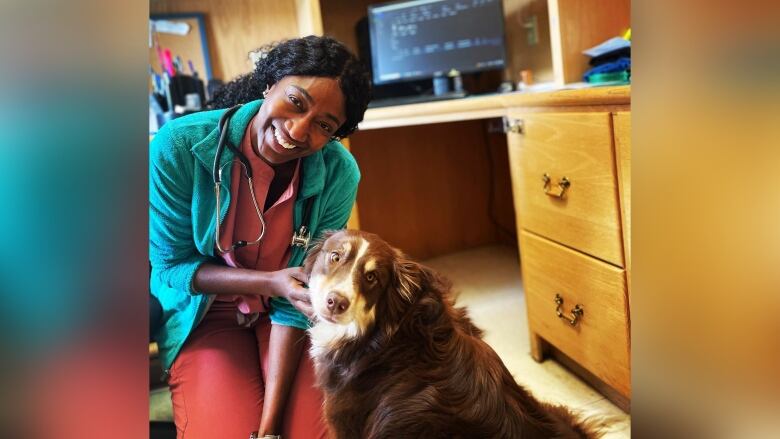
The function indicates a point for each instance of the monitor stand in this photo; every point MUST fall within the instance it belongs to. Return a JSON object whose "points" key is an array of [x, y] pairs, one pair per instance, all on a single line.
{"points": [[416, 99], [445, 85], [444, 88]]}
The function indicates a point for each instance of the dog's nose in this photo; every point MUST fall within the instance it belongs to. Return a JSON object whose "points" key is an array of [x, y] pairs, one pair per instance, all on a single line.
{"points": [[337, 303]]}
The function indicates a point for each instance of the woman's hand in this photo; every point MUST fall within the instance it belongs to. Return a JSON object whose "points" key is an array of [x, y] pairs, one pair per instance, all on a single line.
{"points": [[289, 283]]}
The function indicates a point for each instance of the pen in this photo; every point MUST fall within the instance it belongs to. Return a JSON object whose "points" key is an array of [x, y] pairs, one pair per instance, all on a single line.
{"points": [[167, 91], [179, 64], [155, 80]]}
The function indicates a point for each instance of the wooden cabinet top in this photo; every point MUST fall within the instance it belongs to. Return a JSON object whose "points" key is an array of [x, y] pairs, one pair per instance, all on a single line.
{"points": [[489, 106]]}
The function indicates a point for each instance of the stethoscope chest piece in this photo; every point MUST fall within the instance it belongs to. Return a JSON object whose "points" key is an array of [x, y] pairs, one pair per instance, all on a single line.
{"points": [[301, 238]]}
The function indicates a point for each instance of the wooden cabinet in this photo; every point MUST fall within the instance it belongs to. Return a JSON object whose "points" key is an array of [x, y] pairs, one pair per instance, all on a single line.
{"points": [[573, 239], [571, 201]]}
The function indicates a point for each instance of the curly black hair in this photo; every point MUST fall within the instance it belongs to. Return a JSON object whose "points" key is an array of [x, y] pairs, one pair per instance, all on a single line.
{"points": [[307, 56]]}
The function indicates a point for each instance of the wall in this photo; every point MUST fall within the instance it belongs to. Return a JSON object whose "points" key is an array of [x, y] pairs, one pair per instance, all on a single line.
{"points": [[339, 18], [236, 27], [521, 55]]}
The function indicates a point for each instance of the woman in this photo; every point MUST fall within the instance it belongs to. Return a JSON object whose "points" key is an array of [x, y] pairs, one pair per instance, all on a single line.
{"points": [[234, 359]]}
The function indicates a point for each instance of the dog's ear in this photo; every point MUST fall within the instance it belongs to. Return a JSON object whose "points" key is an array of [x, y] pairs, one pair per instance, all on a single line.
{"points": [[314, 250], [410, 276], [413, 277]]}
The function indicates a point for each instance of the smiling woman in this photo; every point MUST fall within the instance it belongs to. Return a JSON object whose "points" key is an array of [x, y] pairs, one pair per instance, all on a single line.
{"points": [[299, 116], [232, 340], [310, 56]]}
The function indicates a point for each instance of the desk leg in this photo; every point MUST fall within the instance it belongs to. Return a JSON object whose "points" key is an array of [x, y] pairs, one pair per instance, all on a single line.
{"points": [[353, 222], [354, 219], [538, 347]]}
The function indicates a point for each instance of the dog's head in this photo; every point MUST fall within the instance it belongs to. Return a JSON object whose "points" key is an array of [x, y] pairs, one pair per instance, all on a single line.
{"points": [[357, 280]]}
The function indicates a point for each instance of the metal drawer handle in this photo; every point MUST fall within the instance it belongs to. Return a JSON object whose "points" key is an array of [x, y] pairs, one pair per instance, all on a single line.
{"points": [[577, 311], [516, 126], [563, 184]]}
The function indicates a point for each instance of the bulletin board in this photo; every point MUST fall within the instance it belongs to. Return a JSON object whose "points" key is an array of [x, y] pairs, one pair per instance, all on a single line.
{"points": [[190, 47]]}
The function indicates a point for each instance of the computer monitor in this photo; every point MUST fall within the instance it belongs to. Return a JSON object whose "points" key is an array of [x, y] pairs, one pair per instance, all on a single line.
{"points": [[425, 38]]}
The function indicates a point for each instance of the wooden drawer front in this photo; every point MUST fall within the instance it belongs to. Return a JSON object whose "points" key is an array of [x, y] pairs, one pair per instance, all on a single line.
{"points": [[577, 146], [599, 341]]}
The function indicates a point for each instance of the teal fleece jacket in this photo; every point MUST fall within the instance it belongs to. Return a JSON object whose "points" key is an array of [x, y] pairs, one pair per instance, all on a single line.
{"points": [[182, 214]]}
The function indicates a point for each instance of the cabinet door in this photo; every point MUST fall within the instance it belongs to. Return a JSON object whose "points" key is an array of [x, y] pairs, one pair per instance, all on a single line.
{"points": [[574, 148]]}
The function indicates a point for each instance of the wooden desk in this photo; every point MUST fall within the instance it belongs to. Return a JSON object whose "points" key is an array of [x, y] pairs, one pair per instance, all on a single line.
{"points": [[461, 168], [490, 106], [444, 176]]}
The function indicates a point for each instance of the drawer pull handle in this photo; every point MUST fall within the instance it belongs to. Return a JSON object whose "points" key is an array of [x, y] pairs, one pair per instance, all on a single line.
{"points": [[513, 126], [577, 311], [563, 184]]}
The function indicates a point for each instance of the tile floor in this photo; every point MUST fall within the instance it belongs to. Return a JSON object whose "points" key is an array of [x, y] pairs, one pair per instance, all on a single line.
{"points": [[487, 281]]}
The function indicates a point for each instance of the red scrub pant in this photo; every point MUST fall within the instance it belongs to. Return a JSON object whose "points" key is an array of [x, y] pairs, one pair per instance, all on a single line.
{"points": [[217, 382]]}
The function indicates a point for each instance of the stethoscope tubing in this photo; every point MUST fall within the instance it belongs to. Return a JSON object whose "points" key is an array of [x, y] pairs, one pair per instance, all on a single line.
{"points": [[217, 169], [300, 238], [217, 174]]}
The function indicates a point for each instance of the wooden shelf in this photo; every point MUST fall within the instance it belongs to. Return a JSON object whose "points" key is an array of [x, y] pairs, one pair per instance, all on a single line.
{"points": [[485, 107]]}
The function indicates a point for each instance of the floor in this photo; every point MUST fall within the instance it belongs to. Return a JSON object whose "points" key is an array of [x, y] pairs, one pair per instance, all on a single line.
{"points": [[487, 281]]}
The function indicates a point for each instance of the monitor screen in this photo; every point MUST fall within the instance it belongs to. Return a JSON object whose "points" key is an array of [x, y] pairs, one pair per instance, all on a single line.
{"points": [[425, 38]]}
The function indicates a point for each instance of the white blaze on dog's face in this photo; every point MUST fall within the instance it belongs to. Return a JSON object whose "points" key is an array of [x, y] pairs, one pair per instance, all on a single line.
{"points": [[350, 272]]}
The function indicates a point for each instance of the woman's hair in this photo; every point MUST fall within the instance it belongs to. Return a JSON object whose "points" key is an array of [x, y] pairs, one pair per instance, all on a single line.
{"points": [[308, 56]]}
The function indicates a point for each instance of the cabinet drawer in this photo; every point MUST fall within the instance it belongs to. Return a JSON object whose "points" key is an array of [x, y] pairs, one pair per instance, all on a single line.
{"points": [[577, 146], [599, 341]]}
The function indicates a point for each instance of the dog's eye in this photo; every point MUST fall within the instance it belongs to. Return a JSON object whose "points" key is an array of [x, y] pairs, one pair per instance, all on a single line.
{"points": [[370, 276], [334, 257]]}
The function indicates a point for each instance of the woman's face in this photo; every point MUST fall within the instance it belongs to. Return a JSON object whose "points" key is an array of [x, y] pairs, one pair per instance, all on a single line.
{"points": [[299, 116]]}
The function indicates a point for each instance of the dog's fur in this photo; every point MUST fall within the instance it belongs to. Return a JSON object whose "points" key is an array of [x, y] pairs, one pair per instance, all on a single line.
{"points": [[402, 362]]}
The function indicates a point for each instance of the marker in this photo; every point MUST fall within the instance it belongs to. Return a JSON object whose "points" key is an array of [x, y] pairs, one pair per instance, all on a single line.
{"points": [[168, 63]]}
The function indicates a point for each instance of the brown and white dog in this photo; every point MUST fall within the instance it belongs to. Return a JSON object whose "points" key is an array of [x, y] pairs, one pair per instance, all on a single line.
{"points": [[396, 359]]}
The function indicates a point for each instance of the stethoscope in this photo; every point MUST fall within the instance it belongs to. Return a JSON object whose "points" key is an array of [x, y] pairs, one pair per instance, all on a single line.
{"points": [[300, 238]]}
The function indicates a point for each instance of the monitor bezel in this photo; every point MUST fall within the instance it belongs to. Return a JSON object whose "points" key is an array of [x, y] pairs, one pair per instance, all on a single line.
{"points": [[372, 39]]}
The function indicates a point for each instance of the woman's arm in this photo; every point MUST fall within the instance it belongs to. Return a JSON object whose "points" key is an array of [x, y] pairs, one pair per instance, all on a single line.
{"points": [[172, 251], [288, 283], [284, 353]]}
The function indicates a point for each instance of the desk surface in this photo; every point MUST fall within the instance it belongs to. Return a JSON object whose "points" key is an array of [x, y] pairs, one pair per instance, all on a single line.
{"points": [[489, 106]]}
